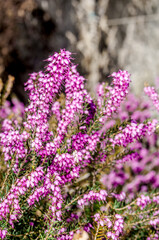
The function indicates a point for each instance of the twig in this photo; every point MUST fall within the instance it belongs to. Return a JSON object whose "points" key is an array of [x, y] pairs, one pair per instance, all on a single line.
{"points": [[143, 221], [95, 236], [134, 19], [119, 209], [7, 174], [143, 212]]}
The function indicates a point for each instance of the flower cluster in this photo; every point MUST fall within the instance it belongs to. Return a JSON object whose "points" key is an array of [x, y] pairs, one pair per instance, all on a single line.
{"points": [[44, 167], [143, 201], [3, 233], [150, 91], [153, 237], [137, 171], [13, 142], [133, 132], [91, 197], [154, 222], [115, 226], [9, 207], [119, 197], [114, 94]]}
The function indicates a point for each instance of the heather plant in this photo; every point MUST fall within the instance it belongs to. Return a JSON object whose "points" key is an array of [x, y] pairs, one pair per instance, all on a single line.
{"points": [[55, 156], [137, 172]]}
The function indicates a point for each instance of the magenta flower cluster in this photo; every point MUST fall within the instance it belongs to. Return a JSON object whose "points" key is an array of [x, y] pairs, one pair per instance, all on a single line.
{"points": [[43, 163], [143, 201], [10, 206], [110, 97], [143, 161], [151, 92], [115, 226], [91, 197], [133, 132]]}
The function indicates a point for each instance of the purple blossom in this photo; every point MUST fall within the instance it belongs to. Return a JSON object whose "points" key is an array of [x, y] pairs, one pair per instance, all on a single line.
{"points": [[150, 91], [143, 201], [44, 163]]}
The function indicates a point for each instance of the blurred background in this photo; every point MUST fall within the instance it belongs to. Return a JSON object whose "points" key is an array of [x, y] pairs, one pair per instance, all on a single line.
{"points": [[105, 35]]}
